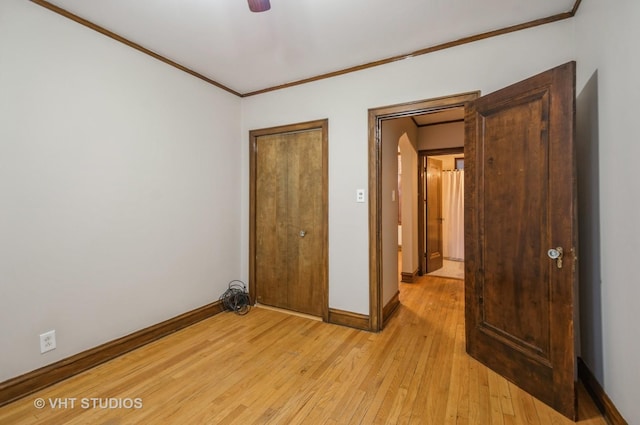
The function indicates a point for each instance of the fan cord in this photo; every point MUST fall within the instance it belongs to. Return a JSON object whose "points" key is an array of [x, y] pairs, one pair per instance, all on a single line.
{"points": [[236, 298]]}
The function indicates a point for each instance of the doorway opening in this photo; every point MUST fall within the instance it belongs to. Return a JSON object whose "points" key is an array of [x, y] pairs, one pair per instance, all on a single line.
{"points": [[520, 203], [441, 208], [381, 250]]}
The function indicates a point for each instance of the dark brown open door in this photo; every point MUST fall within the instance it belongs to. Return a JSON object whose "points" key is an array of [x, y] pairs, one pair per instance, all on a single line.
{"points": [[520, 204], [434, 215]]}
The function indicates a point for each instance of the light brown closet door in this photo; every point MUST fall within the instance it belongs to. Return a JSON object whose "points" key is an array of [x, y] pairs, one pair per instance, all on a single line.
{"points": [[290, 228]]}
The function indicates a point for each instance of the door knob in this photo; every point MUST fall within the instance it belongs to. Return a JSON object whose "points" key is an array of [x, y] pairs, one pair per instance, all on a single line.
{"points": [[556, 254], [302, 233]]}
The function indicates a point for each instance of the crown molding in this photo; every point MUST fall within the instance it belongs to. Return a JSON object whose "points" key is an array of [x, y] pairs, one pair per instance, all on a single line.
{"points": [[424, 51]]}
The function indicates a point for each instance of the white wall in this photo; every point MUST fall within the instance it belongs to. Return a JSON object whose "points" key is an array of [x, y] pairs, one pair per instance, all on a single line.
{"points": [[389, 204], [398, 133], [119, 206], [608, 86], [440, 136], [410, 237], [485, 65], [448, 161]]}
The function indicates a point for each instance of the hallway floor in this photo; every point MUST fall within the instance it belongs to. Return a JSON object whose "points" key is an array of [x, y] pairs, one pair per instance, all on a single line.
{"points": [[451, 269]]}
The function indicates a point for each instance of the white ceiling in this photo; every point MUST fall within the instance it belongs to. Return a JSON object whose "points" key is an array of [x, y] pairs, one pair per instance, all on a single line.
{"points": [[298, 39]]}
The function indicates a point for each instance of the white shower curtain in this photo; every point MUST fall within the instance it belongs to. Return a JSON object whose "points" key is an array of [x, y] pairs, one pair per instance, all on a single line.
{"points": [[453, 214]]}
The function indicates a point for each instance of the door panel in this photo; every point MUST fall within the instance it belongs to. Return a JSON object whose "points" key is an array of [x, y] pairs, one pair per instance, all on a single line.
{"points": [[434, 243], [271, 215], [289, 229], [519, 203], [517, 166], [305, 222]]}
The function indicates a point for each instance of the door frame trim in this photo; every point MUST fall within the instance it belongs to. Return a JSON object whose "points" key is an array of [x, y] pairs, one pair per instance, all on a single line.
{"points": [[323, 125], [376, 116]]}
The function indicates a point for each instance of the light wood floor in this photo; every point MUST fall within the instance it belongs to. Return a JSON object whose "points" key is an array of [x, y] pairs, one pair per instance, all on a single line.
{"points": [[271, 367]]}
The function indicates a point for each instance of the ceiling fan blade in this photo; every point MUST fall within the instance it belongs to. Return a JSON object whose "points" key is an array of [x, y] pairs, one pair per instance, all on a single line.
{"points": [[259, 5]]}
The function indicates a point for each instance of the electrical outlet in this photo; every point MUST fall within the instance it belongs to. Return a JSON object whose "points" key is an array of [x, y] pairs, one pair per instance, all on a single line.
{"points": [[47, 341]]}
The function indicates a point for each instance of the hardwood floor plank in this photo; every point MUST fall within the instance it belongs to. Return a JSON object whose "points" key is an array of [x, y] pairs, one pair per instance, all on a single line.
{"points": [[506, 402], [525, 408], [455, 403], [269, 367], [495, 405]]}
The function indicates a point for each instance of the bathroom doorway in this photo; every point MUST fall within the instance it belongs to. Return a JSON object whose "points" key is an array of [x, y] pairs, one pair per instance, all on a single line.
{"points": [[441, 212]]}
